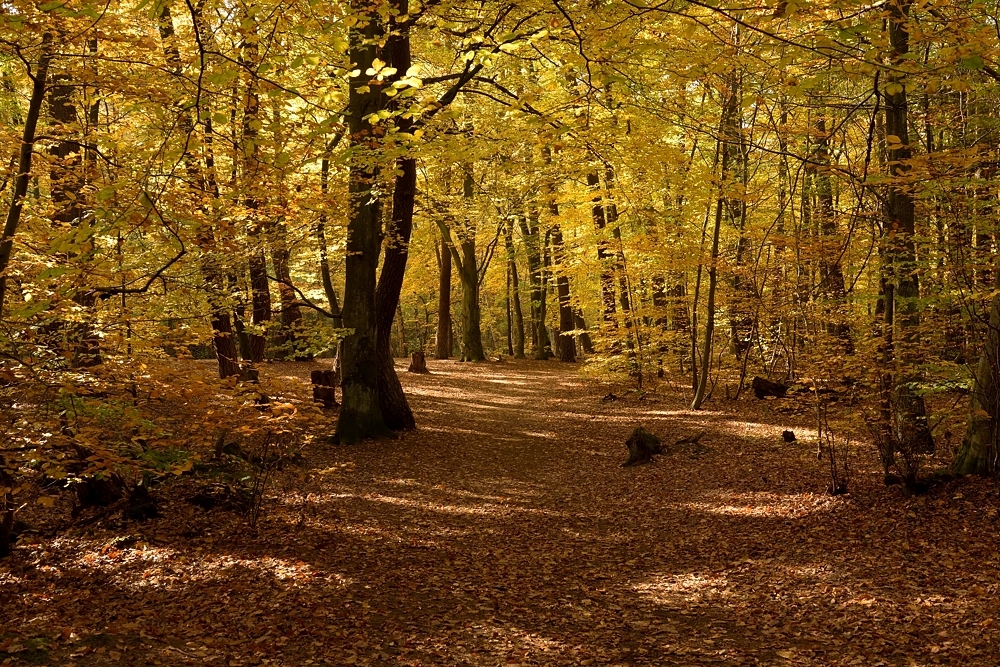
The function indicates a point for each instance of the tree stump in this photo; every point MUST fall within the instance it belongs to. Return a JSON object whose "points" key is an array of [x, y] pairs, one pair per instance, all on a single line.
{"points": [[642, 446], [324, 387], [762, 388], [418, 363]]}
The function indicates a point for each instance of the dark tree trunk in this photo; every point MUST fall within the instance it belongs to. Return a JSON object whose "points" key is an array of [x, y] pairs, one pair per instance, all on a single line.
{"points": [[360, 414], [392, 401], [980, 450], [260, 289], [585, 343], [566, 345], [472, 337], [515, 283], [443, 336], [831, 274], [900, 211], [418, 363], [536, 276], [604, 254], [67, 177], [205, 186], [726, 141], [25, 155]]}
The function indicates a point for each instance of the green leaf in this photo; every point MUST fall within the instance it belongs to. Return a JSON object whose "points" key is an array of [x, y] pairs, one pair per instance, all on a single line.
{"points": [[973, 62]]}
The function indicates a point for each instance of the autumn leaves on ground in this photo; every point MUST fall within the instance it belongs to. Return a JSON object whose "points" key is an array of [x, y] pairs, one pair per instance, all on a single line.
{"points": [[504, 531]]}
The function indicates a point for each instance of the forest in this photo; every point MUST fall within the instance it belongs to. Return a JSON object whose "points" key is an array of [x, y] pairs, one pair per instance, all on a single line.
{"points": [[478, 332]]}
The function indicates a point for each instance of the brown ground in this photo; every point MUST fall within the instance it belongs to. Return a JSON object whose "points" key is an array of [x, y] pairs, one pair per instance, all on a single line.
{"points": [[504, 532]]}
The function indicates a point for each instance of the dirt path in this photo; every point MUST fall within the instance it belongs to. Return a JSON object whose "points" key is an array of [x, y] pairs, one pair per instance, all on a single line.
{"points": [[504, 532]]}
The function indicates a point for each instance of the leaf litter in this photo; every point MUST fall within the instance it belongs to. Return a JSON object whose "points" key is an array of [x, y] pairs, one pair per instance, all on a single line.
{"points": [[504, 532]]}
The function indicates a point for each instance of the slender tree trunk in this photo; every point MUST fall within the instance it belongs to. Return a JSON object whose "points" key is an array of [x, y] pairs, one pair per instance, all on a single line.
{"points": [[281, 254], [586, 344], [25, 155], [464, 257], [536, 276], [260, 289], [324, 253], [204, 187], [515, 283], [831, 274], [508, 315], [566, 346], [443, 344], [472, 337], [726, 143], [604, 254]]}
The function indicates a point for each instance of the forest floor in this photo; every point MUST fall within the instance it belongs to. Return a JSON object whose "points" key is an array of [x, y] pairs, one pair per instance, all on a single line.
{"points": [[504, 532]]}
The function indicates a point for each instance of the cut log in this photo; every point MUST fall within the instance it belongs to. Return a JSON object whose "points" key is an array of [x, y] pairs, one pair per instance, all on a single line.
{"points": [[642, 446], [418, 363], [762, 388]]}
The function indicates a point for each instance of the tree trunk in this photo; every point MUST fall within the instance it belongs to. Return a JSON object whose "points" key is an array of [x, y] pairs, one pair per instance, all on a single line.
{"points": [[536, 276], [464, 257], [392, 401], [291, 315], [204, 186], [911, 412], [67, 178], [585, 343], [604, 254], [260, 289], [360, 413], [980, 449], [566, 345], [472, 337], [725, 147], [25, 155], [515, 283], [443, 335], [831, 274]]}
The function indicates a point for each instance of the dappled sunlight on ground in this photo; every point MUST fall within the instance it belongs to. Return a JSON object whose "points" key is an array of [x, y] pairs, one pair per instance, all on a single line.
{"points": [[504, 532]]}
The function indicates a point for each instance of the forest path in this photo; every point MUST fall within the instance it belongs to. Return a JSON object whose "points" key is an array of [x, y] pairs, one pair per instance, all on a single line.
{"points": [[504, 532]]}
